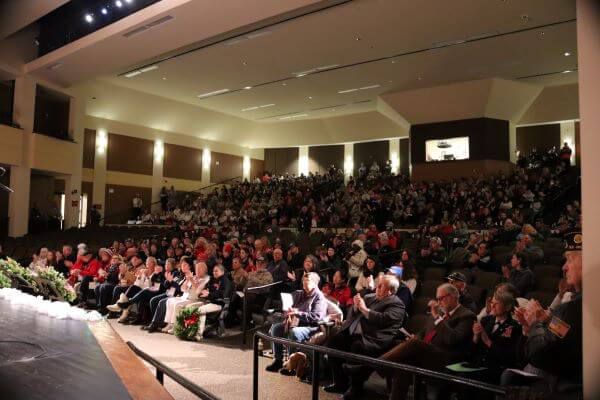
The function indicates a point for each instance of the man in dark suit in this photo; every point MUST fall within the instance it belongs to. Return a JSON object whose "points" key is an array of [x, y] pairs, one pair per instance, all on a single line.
{"points": [[447, 338], [371, 326]]}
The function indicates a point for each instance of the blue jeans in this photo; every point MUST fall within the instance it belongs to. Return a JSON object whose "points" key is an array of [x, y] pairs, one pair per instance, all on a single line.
{"points": [[298, 334]]}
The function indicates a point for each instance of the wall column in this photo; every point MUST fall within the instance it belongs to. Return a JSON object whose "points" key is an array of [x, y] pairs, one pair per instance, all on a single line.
{"points": [[588, 32], [567, 134], [157, 174], [512, 142], [395, 155], [303, 160], [20, 176], [348, 161], [99, 195], [73, 181], [246, 165], [206, 162]]}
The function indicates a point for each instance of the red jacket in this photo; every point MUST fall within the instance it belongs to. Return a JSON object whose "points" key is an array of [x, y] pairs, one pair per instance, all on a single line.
{"points": [[91, 269]]}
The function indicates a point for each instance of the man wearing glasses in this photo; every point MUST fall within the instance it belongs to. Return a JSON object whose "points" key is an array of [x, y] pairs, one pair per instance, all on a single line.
{"points": [[446, 339]]}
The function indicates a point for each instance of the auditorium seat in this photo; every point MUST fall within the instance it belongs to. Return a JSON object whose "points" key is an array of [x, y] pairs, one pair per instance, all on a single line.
{"points": [[547, 270], [416, 323], [434, 274], [548, 283], [428, 288], [487, 280], [419, 305], [478, 294]]}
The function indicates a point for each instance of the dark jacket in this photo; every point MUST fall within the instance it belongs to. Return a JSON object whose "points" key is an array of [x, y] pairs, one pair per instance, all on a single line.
{"points": [[279, 270], [454, 336], [466, 300], [219, 289], [503, 352], [547, 351], [523, 280], [385, 319]]}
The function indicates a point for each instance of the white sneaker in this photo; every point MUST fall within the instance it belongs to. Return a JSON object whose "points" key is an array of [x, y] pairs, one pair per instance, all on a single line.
{"points": [[124, 315], [114, 308], [123, 298]]}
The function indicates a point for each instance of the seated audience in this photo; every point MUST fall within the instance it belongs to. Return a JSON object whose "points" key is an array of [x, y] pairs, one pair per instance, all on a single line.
{"points": [[459, 281], [518, 274], [301, 320]]}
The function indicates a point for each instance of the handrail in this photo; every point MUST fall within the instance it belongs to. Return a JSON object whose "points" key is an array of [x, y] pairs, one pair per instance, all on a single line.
{"points": [[190, 192], [363, 360], [254, 289], [162, 369]]}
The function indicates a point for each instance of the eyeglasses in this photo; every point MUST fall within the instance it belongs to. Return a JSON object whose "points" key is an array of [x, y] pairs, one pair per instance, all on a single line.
{"points": [[442, 297]]}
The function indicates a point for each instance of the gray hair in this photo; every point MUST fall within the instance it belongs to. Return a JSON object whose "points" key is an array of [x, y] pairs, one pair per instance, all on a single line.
{"points": [[220, 266], [313, 276], [391, 282], [506, 298], [449, 289]]}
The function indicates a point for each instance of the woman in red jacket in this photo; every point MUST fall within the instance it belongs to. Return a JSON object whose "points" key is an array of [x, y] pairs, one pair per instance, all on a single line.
{"points": [[85, 270]]}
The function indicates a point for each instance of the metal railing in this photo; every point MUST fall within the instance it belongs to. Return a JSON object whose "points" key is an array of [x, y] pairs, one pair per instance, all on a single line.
{"points": [[375, 363], [162, 370], [264, 289]]}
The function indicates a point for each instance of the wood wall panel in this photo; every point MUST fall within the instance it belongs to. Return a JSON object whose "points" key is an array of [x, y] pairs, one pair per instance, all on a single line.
{"points": [[89, 148], [404, 156], [88, 188], [320, 158], [118, 202], [541, 137], [282, 161], [182, 162], [368, 152], [5, 180], [257, 168], [129, 154], [224, 167], [488, 138]]}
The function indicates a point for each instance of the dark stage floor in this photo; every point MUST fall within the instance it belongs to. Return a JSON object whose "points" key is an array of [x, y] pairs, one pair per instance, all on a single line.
{"points": [[47, 358]]}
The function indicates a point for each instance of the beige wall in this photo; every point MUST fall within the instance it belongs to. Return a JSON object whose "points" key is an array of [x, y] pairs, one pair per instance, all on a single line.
{"points": [[555, 103], [11, 142]]}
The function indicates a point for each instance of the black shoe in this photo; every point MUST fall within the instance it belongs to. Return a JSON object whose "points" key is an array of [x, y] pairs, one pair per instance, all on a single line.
{"points": [[287, 372], [354, 369], [335, 388], [275, 366], [353, 393]]}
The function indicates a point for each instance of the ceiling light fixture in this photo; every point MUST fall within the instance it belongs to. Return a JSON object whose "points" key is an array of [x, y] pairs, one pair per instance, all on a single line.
{"points": [[89, 18], [347, 91], [294, 116], [266, 105], [247, 87], [567, 54], [370, 87], [249, 109], [118, 3], [567, 71], [149, 68], [216, 92], [132, 74], [104, 11]]}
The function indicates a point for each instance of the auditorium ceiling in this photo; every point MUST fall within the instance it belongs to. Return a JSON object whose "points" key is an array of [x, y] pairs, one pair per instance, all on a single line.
{"points": [[338, 60]]}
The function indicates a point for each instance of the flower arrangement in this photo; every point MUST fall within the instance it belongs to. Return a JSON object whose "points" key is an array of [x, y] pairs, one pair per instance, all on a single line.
{"points": [[5, 281], [14, 271], [186, 325], [61, 285]]}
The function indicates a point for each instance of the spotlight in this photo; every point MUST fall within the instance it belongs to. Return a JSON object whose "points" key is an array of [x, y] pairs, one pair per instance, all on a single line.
{"points": [[104, 11], [118, 3], [128, 1], [89, 18]]}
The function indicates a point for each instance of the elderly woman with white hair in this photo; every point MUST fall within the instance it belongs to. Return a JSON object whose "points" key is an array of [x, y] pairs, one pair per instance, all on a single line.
{"points": [[309, 306]]}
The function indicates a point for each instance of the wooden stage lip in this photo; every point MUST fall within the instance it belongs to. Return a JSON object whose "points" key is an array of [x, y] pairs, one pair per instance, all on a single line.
{"points": [[134, 374]]}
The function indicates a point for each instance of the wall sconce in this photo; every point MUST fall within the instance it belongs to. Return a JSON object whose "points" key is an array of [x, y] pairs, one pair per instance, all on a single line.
{"points": [[101, 141], [349, 165], [395, 162], [206, 158], [246, 165], [159, 150]]}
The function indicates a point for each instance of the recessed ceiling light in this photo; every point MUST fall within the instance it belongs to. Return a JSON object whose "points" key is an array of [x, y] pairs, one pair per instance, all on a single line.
{"points": [[164, 78], [393, 61], [244, 63], [221, 91], [89, 18], [420, 78], [132, 74], [104, 11], [149, 68], [370, 87], [525, 18], [567, 54], [310, 97], [542, 34], [284, 84], [347, 91], [567, 71], [247, 87], [118, 3], [357, 38]]}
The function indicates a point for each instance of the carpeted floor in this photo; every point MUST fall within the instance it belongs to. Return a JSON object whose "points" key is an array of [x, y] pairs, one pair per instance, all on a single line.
{"points": [[217, 365]]}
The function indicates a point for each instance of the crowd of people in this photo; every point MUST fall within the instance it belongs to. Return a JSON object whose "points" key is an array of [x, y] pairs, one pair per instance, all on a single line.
{"points": [[364, 279]]}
